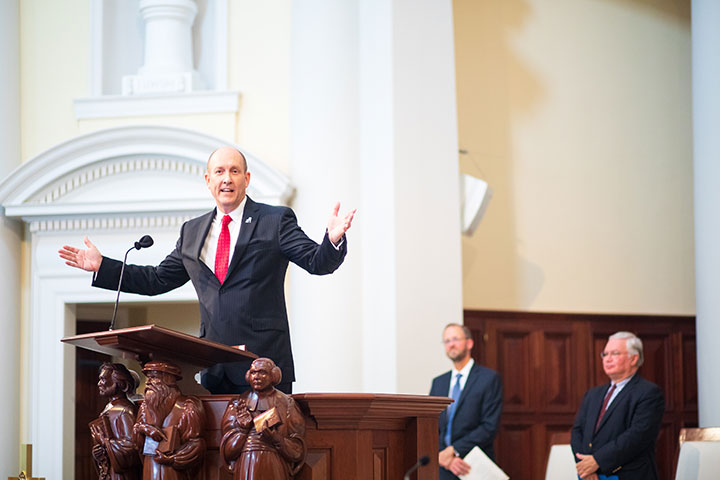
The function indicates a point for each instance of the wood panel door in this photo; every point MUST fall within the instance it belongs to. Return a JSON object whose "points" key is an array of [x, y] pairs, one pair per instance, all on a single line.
{"points": [[548, 362]]}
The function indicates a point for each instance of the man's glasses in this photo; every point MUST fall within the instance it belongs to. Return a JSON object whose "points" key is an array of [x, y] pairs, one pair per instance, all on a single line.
{"points": [[448, 341], [613, 354]]}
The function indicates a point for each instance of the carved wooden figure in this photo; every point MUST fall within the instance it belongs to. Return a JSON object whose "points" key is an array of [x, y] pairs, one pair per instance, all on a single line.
{"points": [[169, 427], [263, 430], [114, 451]]}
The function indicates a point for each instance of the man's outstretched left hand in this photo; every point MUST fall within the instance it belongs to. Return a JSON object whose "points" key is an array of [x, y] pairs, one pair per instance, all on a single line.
{"points": [[337, 226]]}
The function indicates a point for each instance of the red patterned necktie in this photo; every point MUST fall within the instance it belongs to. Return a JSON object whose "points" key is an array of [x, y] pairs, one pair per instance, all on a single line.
{"points": [[222, 255], [604, 406]]}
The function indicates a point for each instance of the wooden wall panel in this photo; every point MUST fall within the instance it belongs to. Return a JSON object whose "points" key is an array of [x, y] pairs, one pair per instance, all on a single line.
{"points": [[513, 439], [688, 373], [555, 373], [658, 365], [667, 442], [548, 361], [513, 349]]}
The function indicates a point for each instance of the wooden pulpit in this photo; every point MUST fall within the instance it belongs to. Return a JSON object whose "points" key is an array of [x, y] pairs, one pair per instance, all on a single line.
{"points": [[349, 436], [153, 343]]}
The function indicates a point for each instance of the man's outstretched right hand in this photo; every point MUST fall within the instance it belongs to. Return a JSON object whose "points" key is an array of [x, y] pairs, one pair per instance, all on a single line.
{"points": [[88, 260]]}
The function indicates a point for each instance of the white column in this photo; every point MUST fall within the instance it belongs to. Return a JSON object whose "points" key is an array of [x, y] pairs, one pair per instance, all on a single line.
{"points": [[325, 312], [373, 122], [168, 65], [706, 118], [10, 238]]}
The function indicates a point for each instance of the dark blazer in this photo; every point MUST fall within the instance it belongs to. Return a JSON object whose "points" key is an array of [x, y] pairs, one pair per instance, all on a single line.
{"points": [[477, 414], [249, 307], [624, 444]]}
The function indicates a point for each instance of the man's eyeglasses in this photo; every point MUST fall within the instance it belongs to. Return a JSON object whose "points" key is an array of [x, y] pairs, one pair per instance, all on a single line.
{"points": [[613, 354], [448, 341]]}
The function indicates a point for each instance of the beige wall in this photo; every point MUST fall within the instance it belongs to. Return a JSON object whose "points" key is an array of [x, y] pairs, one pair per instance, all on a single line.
{"points": [[577, 112], [54, 70]]}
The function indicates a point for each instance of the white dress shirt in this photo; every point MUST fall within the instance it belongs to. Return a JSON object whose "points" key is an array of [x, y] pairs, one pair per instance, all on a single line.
{"points": [[463, 380], [618, 386]]}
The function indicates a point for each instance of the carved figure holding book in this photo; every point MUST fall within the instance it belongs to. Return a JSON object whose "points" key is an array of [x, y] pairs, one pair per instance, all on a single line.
{"points": [[263, 430], [114, 453], [169, 426]]}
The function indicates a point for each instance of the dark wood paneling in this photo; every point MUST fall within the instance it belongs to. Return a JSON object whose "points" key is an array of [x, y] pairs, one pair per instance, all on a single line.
{"points": [[555, 372], [513, 438], [513, 349], [688, 373], [548, 361], [88, 403]]}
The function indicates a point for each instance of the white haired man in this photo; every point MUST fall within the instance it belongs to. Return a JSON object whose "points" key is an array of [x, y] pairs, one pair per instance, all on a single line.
{"points": [[617, 426]]}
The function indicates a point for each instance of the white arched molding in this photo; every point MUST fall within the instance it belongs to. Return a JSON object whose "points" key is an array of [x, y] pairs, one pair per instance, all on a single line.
{"points": [[129, 170], [113, 185]]}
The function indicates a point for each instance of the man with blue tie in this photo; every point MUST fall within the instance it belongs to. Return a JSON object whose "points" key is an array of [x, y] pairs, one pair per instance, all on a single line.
{"points": [[474, 416], [617, 426]]}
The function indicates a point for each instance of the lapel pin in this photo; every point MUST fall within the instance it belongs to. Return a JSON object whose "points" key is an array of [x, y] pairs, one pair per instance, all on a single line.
{"points": [[249, 219]]}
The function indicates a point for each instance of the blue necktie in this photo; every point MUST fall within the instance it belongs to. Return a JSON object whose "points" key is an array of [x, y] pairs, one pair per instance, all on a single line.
{"points": [[455, 395]]}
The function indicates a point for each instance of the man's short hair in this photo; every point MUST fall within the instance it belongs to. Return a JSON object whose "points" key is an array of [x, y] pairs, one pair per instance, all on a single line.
{"points": [[632, 343], [466, 330], [207, 164]]}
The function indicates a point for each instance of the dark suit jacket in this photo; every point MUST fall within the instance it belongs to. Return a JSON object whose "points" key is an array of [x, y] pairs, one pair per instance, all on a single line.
{"points": [[477, 414], [249, 307], [624, 444]]}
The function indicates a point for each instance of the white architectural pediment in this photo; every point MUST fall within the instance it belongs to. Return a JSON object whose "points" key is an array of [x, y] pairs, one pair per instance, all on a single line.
{"points": [[121, 174]]}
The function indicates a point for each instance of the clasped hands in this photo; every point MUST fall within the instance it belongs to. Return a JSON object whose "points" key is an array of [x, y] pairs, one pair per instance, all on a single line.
{"points": [[586, 467], [449, 461]]}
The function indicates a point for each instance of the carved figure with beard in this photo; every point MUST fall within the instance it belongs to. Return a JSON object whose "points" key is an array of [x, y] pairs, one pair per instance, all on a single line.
{"points": [[114, 451], [165, 406], [276, 452]]}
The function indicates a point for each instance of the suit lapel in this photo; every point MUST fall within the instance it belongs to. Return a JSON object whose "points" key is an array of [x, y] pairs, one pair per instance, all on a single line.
{"points": [[197, 239], [595, 407], [444, 388], [618, 399], [247, 227], [472, 378]]}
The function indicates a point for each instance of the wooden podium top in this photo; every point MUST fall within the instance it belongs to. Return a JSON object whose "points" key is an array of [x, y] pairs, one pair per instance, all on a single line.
{"points": [[368, 410], [151, 342]]}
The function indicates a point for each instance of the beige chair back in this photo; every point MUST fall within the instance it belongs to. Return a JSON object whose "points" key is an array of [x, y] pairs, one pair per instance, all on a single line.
{"points": [[699, 457], [561, 464]]}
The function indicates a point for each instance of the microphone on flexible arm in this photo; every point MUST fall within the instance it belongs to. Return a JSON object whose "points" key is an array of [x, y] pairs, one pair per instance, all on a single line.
{"points": [[424, 460], [144, 242]]}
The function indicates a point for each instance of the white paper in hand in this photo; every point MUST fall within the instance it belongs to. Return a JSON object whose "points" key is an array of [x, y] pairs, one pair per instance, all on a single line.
{"points": [[481, 467]]}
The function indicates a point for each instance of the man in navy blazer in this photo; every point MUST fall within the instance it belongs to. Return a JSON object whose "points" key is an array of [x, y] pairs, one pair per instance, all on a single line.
{"points": [[476, 412], [617, 426], [240, 284]]}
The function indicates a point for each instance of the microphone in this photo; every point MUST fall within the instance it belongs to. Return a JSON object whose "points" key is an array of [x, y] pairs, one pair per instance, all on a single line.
{"points": [[424, 460], [144, 242]]}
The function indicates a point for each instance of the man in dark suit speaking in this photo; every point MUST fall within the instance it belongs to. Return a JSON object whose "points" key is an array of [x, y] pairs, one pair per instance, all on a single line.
{"points": [[474, 417], [618, 423], [236, 257]]}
